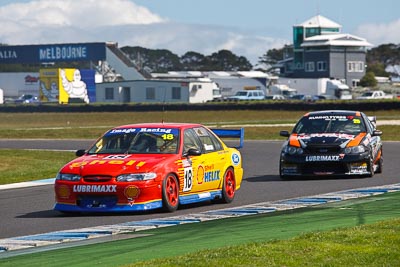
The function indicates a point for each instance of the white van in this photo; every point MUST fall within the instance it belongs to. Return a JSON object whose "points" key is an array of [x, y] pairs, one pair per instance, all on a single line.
{"points": [[248, 95]]}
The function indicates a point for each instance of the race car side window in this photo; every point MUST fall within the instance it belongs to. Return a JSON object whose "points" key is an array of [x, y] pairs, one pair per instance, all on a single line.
{"points": [[368, 124], [210, 143], [217, 144], [190, 141]]}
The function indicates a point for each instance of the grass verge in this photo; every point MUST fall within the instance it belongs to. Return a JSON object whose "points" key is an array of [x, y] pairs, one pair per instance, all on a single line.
{"points": [[27, 165], [92, 124]]}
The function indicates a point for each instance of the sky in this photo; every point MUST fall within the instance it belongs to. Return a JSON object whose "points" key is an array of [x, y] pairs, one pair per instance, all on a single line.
{"points": [[247, 28]]}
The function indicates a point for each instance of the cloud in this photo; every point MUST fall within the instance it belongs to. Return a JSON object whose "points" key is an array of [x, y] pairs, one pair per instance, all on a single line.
{"points": [[378, 34], [122, 21]]}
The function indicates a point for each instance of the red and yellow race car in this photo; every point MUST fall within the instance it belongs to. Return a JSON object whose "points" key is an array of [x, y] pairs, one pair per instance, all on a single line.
{"points": [[150, 166], [332, 143]]}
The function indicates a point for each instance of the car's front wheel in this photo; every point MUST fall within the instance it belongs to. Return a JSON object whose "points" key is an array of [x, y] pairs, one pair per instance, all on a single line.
{"points": [[170, 193], [371, 167], [229, 186], [380, 164]]}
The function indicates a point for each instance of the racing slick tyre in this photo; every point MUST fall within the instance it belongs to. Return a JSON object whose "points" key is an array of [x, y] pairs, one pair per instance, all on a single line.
{"points": [[229, 186], [170, 193], [380, 164], [371, 167]]}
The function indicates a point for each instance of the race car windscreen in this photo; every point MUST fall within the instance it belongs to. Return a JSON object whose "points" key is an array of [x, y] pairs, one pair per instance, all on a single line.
{"points": [[137, 141], [348, 124]]}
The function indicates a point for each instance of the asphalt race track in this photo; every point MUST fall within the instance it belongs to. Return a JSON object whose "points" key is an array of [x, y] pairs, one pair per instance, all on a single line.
{"points": [[28, 211]]}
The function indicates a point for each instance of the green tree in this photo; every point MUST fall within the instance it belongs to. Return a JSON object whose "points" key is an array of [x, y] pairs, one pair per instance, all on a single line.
{"points": [[272, 56], [225, 60], [192, 61], [368, 80], [378, 69], [386, 54]]}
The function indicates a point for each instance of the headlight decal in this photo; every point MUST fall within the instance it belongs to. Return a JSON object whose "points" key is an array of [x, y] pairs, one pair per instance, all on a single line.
{"points": [[357, 140], [355, 149], [294, 141]]}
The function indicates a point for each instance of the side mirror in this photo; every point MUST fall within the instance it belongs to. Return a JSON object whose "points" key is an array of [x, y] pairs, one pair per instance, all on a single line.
{"points": [[80, 152], [377, 133], [284, 133], [192, 152]]}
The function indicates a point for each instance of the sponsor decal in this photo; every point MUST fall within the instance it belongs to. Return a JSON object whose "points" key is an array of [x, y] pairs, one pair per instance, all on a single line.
{"points": [[208, 147], [211, 176], [356, 168], [117, 157], [235, 159], [31, 79], [103, 162], [94, 189], [187, 179], [200, 175], [328, 117], [209, 167], [324, 158], [338, 135], [155, 130], [131, 192], [125, 130], [187, 175]]}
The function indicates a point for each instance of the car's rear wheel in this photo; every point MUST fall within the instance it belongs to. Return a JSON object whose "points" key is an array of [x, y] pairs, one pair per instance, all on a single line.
{"points": [[229, 186], [170, 193]]}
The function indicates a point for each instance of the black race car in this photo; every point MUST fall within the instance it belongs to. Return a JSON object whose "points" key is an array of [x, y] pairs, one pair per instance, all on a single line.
{"points": [[332, 143]]}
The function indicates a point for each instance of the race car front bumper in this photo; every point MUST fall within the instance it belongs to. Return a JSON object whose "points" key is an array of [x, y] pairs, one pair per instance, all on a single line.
{"points": [[325, 165]]}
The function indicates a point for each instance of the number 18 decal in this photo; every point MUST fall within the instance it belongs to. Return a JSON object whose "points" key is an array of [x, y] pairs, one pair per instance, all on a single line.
{"points": [[188, 179]]}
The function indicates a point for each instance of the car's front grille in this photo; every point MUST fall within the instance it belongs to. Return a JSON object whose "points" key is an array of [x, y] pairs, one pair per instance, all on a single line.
{"points": [[95, 201], [324, 167], [323, 149], [97, 178]]}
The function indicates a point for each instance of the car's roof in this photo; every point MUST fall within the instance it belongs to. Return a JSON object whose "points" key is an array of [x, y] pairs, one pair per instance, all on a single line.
{"points": [[160, 125], [333, 112]]}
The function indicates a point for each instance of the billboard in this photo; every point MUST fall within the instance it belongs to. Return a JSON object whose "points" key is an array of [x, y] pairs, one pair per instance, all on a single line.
{"points": [[67, 86], [48, 85], [52, 53]]}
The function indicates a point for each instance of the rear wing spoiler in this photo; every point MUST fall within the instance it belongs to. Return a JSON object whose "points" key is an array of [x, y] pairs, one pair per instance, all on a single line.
{"points": [[231, 133]]}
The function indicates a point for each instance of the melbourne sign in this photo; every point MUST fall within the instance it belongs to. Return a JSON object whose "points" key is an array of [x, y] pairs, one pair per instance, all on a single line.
{"points": [[52, 53]]}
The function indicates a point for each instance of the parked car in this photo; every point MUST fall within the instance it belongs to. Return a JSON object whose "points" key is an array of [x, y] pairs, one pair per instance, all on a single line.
{"points": [[26, 99], [332, 143], [275, 97], [248, 95], [374, 95], [149, 166], [300, 97]]}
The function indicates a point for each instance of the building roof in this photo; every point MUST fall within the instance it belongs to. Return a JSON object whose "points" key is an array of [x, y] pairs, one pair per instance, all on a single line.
{"points": [[341, 39], [319, 21]]}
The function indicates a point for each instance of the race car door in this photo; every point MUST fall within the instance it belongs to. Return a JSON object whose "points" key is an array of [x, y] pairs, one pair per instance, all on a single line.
{"points": [[207, 168]]}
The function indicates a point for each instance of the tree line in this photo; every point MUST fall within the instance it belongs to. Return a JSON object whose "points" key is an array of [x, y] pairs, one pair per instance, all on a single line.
{"points": [[163, 60]]}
